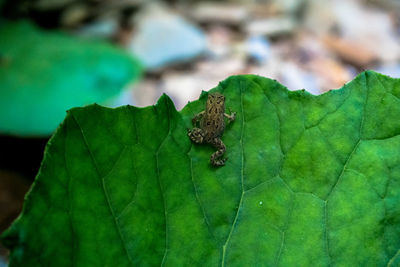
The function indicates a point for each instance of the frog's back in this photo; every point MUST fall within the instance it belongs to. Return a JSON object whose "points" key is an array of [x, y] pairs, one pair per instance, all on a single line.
{"points": [[213, 127], [213, 122]]}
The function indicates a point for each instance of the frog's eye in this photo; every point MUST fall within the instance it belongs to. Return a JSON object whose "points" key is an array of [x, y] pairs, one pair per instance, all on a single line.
{"points": [[208, 123]]}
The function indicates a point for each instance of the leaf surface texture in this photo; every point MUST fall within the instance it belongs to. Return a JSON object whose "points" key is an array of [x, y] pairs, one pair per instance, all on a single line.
{"points": [[310, 181]]}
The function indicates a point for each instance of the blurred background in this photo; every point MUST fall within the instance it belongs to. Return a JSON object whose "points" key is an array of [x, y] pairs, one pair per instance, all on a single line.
{"points": [[59, 54]]}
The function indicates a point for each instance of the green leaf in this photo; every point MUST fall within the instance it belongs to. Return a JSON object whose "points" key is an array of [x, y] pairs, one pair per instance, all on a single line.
{"points": [[310, 181], [42, 74]]}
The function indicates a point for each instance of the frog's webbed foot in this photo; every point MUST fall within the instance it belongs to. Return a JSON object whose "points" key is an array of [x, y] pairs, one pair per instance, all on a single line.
{"points": [[216, 159], [196, 135], [230, 117]]}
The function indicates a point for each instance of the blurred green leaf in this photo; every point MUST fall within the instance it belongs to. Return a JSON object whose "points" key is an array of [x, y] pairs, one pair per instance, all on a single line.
{"points": [[310, 181], [42, 74]]}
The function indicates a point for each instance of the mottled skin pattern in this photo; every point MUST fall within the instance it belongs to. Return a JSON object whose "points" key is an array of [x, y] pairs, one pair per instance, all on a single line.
{"points": [[212, 125]]}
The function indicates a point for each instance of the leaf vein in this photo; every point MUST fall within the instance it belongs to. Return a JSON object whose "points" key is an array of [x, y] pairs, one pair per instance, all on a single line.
{"points": [[242, 179], [286, 226], [161, 188], [199, 201], [104, 189]]}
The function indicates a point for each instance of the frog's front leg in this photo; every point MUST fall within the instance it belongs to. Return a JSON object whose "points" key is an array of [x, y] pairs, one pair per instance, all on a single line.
{"points": [[230, 117], [197, 118], [196, 135], [217, 142]]}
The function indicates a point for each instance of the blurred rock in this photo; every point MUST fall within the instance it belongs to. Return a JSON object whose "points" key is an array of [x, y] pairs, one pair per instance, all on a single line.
{"points": [[126, 97], [147, 91], [258, 48], [213, 12], [263, 10], [183, 88], [52, 4], [74, 15], [286, 6], [271, 26], [271, 69], [309, 46], [106, 6], [163, 38], [296, 78], [102, 28], [350, 51], [390, 5], [221, 68], [187, 86], [274, 6], [219, 41], [311, 53], [379, 35], [392, 70], [329, 73], [348, 18], [319, 17]]}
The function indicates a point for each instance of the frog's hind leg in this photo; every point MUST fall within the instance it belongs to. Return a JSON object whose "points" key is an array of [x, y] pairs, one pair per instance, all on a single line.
{"points": [[196, 135], [217, 142]]}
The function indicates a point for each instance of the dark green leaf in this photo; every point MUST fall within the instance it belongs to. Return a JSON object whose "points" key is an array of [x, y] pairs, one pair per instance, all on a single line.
{"points": [[310, 181]]}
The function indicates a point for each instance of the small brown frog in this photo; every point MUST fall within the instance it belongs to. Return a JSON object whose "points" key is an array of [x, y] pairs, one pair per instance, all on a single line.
{"points": [[212, 127]]}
